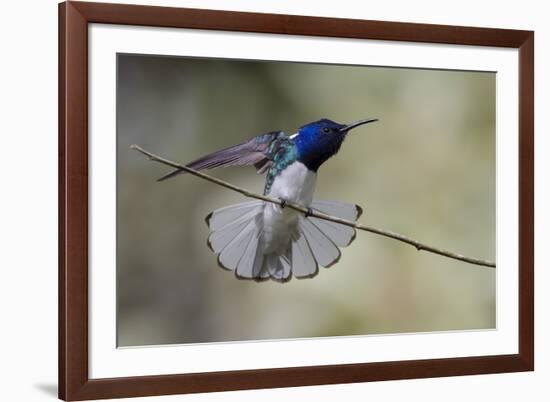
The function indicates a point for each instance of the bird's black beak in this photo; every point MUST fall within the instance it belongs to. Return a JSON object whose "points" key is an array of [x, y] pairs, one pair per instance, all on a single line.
{"points": [[357, 124]]}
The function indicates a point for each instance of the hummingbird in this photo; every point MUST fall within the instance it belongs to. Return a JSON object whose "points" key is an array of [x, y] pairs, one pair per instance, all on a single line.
{"points": [[260, 240]]}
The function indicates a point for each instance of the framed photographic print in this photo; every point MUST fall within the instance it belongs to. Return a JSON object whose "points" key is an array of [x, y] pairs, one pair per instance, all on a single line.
{"points": [[258, 200]]}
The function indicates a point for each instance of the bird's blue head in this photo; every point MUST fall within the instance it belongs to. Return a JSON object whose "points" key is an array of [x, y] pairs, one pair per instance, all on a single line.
{"points": [[318, 141]]}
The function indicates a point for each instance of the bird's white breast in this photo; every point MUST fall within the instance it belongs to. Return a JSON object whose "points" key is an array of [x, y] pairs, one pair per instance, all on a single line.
{"points": [[295, 184]]}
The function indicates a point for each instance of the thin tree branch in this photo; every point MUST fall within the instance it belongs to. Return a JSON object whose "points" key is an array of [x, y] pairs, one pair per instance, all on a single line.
{"points": [[300, 208]]}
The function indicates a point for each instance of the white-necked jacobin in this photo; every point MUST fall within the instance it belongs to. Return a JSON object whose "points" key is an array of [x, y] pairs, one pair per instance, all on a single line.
{"points": [[261, 240]]}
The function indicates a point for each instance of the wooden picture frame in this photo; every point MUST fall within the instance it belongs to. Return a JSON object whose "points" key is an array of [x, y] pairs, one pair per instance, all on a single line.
{"points": [[74, 381]]}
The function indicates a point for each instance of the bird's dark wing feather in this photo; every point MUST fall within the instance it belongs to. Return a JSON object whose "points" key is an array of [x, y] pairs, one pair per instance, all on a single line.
{"points": [[257, 151]]}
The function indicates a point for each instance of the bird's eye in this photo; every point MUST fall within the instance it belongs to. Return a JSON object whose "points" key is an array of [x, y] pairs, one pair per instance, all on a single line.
{"points": [[326, 130]]}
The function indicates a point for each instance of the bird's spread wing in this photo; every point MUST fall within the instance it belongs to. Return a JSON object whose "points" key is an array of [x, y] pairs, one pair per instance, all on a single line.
{"points": [[258, 151]]}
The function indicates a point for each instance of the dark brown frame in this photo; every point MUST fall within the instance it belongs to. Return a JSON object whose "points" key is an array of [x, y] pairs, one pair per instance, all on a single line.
{"points": [[74, 383]]}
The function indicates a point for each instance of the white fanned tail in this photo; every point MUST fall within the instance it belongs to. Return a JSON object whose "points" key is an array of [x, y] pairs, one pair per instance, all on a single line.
{"points": [[240, 240]]}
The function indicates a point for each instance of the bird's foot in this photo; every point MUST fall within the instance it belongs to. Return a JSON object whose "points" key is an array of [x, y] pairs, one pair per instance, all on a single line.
{"points": [[283, 203], [309, 212]]}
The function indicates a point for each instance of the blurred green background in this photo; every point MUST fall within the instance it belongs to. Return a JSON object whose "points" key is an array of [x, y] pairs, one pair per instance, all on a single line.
{"points": [[426, 170]]}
